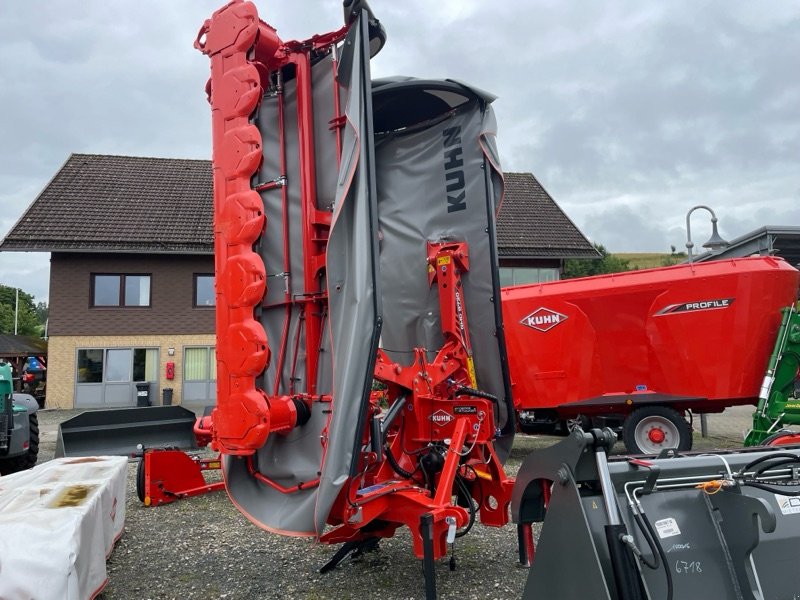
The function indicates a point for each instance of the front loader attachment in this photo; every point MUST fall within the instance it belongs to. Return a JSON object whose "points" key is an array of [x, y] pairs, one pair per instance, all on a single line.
{"points": [[723, 525], [779, 398], [120, 431]]}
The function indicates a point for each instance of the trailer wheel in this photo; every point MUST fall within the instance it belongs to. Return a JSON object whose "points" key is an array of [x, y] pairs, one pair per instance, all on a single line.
{"points": [[140, 480], [782, 438], [651, 429]]}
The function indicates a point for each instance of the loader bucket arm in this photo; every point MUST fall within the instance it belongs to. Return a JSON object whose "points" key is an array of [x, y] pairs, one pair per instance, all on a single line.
{"points": [[778, 402]]}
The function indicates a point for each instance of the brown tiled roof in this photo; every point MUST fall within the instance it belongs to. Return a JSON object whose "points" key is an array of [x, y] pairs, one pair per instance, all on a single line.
{"points": [[120, 204], [531, 224], [132, 204], [20, 345]]}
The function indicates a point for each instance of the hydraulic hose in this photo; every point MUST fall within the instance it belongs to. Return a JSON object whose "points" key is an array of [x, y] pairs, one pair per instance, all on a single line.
{"points": [[770, 461], [395, 465], [652, 535], [768, 457], [468, 391], [653, 546], [462, 486]]}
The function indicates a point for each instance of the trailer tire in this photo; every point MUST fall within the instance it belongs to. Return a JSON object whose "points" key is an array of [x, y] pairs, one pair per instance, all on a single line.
{"points": [[140, 479], [651, 429], [27, 460], [785, 437]]}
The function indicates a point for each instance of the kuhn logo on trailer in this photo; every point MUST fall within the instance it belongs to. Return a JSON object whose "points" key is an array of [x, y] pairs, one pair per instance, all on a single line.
{"points": [[441, 417], [543, 319], [684, 307]]}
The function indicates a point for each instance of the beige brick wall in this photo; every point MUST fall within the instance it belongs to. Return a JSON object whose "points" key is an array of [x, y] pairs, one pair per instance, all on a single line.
{"points": [[62, 352]]}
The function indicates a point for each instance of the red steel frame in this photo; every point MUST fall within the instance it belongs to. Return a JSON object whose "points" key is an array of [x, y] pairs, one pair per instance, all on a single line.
{"points": [[244, 52], [171, 475]]}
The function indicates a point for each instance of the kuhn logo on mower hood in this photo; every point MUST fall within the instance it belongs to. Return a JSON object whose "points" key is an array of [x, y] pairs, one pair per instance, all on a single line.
{"points": [[543, 319]]}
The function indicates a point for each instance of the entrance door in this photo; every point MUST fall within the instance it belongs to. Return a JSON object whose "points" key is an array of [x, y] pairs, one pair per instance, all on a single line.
{"points": [[108, 376]]}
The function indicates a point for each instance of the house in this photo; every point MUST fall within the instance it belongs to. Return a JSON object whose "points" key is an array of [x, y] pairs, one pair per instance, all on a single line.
{"points": [[131, 272], [778, 240], [534, 236]]}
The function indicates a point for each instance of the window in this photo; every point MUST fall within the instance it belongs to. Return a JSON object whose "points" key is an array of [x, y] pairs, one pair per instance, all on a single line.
{"points": [[204, 290], [99, 365], [120, 290], [118, 364], [145, 364], [199, 375], [90, 366], [523, 275], [200, 365]]}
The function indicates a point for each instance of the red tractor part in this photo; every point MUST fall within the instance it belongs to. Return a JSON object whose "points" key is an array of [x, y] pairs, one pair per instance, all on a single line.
{"points": [[165, 475]]}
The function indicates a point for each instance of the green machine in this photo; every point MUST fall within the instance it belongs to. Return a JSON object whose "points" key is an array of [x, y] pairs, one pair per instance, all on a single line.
{"points": [[779, 398], [19, 426]]}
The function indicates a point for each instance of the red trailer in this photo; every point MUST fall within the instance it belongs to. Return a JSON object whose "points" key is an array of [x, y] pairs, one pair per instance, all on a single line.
{"points": [[642, 348]]}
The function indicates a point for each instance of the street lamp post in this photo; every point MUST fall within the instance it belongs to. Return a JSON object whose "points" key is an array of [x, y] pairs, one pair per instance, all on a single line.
{"points": [[715, 242]]}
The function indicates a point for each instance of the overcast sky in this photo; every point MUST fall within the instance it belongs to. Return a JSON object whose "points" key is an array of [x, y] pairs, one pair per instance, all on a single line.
{"points": [[628, 112]]}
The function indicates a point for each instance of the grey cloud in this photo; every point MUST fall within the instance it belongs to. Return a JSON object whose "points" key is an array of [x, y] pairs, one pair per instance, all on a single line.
{"points": [[629, 113]]}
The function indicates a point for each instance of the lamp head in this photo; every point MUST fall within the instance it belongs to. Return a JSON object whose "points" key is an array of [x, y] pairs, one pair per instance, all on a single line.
{"points": [[715, 242]]}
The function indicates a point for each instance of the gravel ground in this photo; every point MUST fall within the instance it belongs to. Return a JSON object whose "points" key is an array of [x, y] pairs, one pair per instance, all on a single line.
{"points": [[203, 548]]}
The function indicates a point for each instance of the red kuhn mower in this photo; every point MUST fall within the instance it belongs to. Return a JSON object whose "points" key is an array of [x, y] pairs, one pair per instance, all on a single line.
{"points": [[370, 369]]}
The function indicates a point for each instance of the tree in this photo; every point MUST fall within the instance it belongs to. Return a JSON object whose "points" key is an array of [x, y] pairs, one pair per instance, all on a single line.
{"points": [[674, 257], [28, 322], [608, 263]]}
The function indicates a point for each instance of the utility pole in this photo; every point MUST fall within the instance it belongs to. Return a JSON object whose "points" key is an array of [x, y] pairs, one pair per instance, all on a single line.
{"points": [[16, 312]]}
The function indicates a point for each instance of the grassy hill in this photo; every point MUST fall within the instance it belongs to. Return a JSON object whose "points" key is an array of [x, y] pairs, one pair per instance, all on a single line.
{"points": [[650, 260]]}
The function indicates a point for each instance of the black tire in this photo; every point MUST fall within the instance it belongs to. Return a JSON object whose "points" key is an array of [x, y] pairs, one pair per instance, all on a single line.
{"points": [[140, 479], [652, 429], [27, 460]]}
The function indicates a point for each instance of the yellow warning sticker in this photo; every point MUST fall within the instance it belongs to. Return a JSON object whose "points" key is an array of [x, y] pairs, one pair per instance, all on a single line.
{"points": [[473, 380], [443, 260]]}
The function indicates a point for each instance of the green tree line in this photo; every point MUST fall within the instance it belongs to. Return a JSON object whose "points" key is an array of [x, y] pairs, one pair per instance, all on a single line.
{"points": [[32, 315], [610, 263]]}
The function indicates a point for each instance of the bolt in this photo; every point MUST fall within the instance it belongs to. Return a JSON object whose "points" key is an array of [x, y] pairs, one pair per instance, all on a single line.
{"points": [[563, 476]]}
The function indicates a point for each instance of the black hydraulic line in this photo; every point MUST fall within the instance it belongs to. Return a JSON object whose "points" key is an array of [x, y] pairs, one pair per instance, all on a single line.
{"points": [[472, 510], [395, 465], [650, 542], [768, 462], [468, 391], [667, 572], [767, 457], [774, 465]]}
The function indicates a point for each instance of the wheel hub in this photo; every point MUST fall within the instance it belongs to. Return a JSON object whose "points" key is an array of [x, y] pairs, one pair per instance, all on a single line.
{"points": [[656, 435]]}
